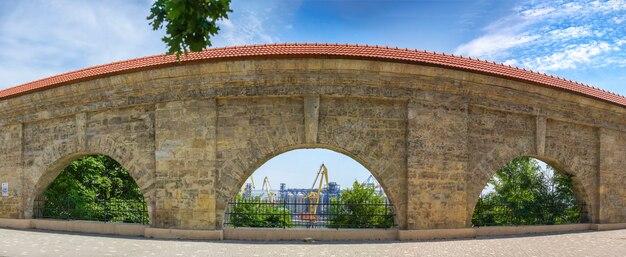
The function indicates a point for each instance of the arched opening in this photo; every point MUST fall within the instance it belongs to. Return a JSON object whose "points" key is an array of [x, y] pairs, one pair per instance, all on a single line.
{"points": [[528, 191], [92, 187], [311, 188]]}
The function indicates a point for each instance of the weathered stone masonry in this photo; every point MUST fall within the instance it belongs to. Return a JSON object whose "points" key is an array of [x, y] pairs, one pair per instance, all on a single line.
{"points": [[190, 134]]}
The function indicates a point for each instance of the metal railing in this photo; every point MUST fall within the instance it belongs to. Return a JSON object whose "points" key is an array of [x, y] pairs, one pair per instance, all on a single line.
{"points": [[334, 214], [490, 212], [111, 210]]}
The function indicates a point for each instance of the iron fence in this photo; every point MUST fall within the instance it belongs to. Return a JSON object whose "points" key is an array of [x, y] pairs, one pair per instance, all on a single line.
{"points": [[334, 214], [489, 212], [105, 210]]}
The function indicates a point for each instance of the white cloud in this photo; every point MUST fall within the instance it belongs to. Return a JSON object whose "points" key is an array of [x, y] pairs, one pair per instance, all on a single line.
{"points": [[499, 37], [554, 35], [490, 46], [571, 32], [16, 74], [45, 38], [537, 12], [570, 57], [571, 7], [511, 62], [255, 22], [247, 29], [610, 5]]}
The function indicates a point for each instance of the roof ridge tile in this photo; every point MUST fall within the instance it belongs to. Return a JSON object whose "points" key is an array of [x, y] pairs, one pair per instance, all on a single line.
{"points": [[312, 49]]}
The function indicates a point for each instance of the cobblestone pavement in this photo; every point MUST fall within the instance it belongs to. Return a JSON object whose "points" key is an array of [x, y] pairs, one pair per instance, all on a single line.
{"points": [[40, 243]]}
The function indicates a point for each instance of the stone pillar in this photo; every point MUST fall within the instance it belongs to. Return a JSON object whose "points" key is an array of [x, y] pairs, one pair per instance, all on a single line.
{"points": [[185, 164], [81, 130], [437, 162], [311, 118], [541, 135], [11, 206], [612, 177]]}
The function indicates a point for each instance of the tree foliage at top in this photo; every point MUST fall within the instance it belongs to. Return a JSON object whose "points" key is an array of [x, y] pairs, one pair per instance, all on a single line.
{"points": [[526, 194], [95, 188], [360, 207], [189, 24]]}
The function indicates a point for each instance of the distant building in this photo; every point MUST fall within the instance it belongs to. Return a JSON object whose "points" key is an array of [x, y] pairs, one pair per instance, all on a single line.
{"points": [[247, 191], [297, 200]]}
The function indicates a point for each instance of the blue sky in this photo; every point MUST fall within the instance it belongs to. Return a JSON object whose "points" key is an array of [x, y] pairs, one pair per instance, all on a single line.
{"points": [[582, 40], [298, 169]]}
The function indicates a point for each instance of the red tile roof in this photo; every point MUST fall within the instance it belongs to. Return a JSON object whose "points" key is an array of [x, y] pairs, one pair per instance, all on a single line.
{"points": [[306, 50]]}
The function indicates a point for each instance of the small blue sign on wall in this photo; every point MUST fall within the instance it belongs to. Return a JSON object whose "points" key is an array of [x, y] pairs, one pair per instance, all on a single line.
{"points": [[5, 189]]}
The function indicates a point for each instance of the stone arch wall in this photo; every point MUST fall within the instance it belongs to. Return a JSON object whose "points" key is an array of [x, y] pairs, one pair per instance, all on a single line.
{"points": [[574, 149], [368, 130], [375, 132], [49, 145], [483, 170], [434, 135], [48, 166], [498, 137], [583, 192], [254, 165], [493, 162]]}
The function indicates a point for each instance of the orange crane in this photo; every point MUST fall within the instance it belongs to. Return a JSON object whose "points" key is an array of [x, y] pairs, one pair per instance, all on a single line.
{"points": [[321, 179]]}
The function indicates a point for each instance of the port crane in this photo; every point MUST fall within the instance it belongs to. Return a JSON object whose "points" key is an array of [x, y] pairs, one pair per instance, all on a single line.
{"points": [[267, 188], [321, 180], [372, 182]]}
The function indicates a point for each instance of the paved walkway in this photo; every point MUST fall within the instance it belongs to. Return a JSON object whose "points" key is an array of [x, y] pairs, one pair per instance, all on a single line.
{"points": [[40, 243]]}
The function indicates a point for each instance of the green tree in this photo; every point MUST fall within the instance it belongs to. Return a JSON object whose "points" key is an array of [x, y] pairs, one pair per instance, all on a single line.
{"points": [[526, 194], [256, 213], [95, 188], [189, 24], [360, 207]]}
